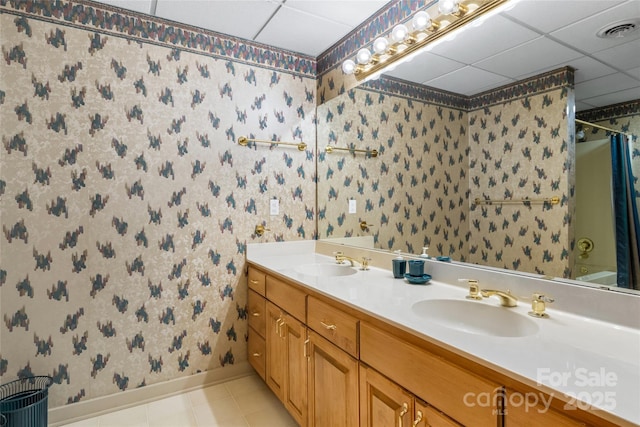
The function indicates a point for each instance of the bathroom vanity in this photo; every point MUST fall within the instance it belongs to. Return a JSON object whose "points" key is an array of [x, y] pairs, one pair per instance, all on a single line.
{"points": [[340, 346]]}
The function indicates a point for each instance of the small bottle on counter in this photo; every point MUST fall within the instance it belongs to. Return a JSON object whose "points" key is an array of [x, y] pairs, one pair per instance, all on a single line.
{"points": [[424, 253]]}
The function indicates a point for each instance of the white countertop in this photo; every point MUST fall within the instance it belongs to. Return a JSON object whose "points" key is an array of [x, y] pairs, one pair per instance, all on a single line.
{"points": [[591, 361]]}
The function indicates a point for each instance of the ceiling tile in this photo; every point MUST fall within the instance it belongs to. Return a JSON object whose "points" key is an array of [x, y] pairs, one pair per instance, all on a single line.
{"points": [[583, 36], [622, 57], [466, 81], [425, 67], [238, 18], [301, 32], [351, 13], [588, 68], [529, 59], [495, 35], [606, 84], [610, 98], [547, 16]]}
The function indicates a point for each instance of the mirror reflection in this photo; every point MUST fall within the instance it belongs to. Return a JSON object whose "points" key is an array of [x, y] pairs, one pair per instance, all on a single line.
{"points": [[440, 151]]}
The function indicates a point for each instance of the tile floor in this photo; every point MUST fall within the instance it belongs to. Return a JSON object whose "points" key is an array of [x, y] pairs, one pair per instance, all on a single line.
{"points": [[243, 402]]}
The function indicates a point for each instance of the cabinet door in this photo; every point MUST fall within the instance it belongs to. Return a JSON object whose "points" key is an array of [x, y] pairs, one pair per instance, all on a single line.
{"points": [[295, 391], [382, 402], [428, 416], [276, 361], [333, 385]]}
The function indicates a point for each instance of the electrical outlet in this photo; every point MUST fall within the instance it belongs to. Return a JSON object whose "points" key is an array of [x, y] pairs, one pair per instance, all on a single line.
{"points": [[352, 206], [274, 207]]}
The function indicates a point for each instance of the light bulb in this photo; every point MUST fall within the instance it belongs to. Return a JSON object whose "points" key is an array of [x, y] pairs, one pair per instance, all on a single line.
{"points": [[448, 6], [421, 21], [348, 67], [380, 45], [399, 33], [363, 56]]}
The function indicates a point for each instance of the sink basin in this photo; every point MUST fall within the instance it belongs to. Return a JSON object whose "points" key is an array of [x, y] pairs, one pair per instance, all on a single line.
{"points": [[325, 270], [476, 317]]}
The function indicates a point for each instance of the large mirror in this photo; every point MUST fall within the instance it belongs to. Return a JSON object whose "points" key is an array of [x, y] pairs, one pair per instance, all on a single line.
{"points": [[446, 138]]}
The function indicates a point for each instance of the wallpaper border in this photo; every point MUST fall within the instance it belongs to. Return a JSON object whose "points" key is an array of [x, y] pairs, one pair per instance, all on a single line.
{"points": [[106, 19], [610, 112]]}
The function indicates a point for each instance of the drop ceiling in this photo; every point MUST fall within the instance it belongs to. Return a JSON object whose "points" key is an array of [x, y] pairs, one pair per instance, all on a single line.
{"points": [[533, 37]]}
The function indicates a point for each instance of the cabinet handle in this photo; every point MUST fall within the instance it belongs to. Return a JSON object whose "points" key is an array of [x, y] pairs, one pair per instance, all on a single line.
{"points": [[281, 323], [418, 419], [306, 353], [278, 320], [403, 412], [257, 354], [253, 281], [330, 327], [256, 314]]}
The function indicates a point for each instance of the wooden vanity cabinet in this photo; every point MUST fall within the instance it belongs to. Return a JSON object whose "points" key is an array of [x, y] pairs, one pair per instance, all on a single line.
{"points": [[384, 403], [333, 366], [333, 384], [439, 382]]}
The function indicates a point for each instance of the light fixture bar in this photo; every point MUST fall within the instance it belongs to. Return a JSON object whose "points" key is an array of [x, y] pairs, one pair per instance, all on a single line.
{"points": [[413, 43], [331, 149], [243, 140]]}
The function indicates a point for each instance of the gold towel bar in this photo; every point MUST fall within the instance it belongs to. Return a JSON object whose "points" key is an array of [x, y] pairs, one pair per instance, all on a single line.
{"points": [[331, 148], [243, 140], [551, 200]]}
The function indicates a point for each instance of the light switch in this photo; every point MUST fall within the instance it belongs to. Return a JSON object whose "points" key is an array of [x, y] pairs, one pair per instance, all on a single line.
{"points": [[274, 207], [352, 206]]}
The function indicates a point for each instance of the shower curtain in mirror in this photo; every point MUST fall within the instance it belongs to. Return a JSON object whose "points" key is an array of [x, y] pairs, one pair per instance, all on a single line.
{"points": [[626, 214]]}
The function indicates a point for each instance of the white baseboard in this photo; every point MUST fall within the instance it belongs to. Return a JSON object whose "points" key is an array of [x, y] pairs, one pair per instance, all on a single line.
{"points": [[102, 405]]}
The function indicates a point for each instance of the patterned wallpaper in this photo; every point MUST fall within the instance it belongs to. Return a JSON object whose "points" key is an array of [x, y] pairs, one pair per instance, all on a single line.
{"points": [[126, 203], [521, 146], [438, 152], [415, 192]]}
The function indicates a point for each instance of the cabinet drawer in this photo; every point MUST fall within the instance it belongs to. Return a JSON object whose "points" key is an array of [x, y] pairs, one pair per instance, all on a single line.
{"points": [[256, 349], [438, 382], [256, 280], [257, 312], [287, 297], [333, 324]]}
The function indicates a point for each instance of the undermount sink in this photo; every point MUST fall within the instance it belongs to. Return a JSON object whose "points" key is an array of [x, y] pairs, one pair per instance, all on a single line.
{"points": [[325, 270], [476, 317]]}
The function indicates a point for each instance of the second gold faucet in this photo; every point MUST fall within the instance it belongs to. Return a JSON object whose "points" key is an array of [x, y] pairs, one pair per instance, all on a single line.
{"points": [[364, 262]]}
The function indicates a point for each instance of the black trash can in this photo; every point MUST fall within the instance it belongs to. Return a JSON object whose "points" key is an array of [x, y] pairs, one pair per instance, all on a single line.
{"points": [[23, 403]]}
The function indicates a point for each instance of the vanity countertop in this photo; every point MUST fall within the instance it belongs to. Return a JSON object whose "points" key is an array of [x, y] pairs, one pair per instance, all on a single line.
{"points": [[587, 361]]}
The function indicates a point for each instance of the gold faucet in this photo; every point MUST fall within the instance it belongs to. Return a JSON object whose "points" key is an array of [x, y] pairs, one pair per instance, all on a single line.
{"points": [[341, 258], [506, 299]]}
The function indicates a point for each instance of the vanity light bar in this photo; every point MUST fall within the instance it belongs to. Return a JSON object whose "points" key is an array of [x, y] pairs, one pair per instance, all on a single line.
{"points": [[243, 140], [403, 44], [331, 149], [551, 200]]}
